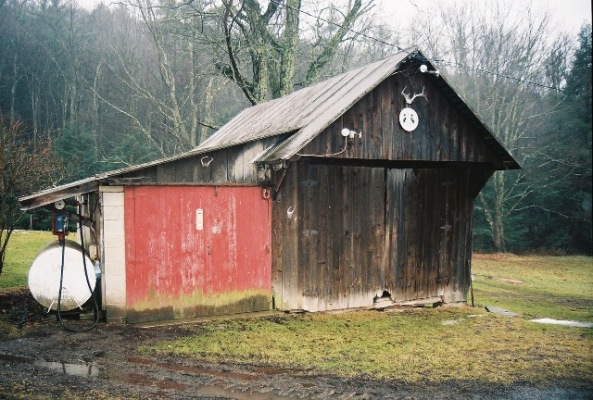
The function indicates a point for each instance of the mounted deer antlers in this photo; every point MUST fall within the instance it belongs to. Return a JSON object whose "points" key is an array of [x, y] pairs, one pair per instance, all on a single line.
{"points": [[408, 118], [410, 100]]}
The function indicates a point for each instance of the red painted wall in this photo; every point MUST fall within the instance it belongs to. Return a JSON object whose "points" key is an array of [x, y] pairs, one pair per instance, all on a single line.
{"points": [[174, 269]]}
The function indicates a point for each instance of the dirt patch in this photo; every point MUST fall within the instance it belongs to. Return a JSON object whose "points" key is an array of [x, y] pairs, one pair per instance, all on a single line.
{"points": [[19, 307], [49, 362]]}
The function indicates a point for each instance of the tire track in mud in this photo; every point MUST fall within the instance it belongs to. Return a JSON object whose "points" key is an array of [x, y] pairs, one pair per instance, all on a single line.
{"points": [[149, 378], [255, 383]]}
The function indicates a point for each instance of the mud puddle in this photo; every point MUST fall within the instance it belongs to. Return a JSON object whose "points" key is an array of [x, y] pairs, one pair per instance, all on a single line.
{"points": [[86, 369], [137, 379], [203, 390]]}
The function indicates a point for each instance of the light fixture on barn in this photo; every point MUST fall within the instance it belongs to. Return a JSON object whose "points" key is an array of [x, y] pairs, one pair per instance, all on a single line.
{"points": [[346, 134], [350, 134], [424, 70], [408, 118]]}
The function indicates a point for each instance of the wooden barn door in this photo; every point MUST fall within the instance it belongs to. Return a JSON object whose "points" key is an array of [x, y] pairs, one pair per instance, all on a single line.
{"points": [[414, 210], [195, 251], [442, 210]]}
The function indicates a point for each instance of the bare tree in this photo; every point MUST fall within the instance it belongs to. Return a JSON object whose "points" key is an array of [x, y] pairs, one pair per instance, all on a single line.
{"points": [[24, 167], [262, 43], [166, 73], [187, 47], [498, 55]]}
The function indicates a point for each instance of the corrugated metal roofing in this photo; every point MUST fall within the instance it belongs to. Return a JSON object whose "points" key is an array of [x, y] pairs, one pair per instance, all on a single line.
{"points": [[86, 185], [308, 110], [65, 191]]}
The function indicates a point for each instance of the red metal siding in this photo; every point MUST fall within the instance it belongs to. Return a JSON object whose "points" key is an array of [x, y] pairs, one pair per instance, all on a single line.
{"points": [[176, 270]]}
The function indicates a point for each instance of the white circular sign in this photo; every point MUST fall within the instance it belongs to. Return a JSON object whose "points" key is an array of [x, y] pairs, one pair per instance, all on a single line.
{"points": [[408, 119]]}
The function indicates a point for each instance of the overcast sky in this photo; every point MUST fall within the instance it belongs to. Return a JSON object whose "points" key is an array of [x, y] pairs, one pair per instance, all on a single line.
{"points": [[569, 15]]}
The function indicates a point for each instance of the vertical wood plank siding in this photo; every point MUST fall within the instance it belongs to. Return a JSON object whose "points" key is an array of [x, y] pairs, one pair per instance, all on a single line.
{"points": [[228, 166], [359, 231], [366, 228], [442, 135]]}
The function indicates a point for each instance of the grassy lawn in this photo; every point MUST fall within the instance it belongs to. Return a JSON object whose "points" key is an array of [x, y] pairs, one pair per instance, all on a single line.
{"points": [[536, 286], [419, 345], [23, 247], [426, 344], [412, 345]]}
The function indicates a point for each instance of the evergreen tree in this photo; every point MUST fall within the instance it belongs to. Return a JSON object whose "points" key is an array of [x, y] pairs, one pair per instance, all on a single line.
{"points": [[77, 147], [577, 134], [559, 214]]}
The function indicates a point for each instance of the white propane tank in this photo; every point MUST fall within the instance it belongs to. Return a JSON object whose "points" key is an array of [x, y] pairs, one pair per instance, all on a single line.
{"points": [[44, 276]]}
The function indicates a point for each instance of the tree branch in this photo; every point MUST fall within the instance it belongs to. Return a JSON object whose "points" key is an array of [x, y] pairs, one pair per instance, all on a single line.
{"points": [[232, 71], [330, 49]]}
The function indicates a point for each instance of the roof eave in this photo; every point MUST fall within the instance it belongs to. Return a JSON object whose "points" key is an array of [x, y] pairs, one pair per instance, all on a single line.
{"points": [[86, 185], [49, 196]]}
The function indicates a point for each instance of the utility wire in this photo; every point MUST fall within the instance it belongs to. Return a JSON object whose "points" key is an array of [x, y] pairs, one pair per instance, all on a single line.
{"points": [[487, 72], [401, 49], [340, 26]]}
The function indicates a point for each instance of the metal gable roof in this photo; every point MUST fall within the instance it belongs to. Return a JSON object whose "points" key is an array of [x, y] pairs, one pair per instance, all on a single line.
{"points": [[307, 111]]}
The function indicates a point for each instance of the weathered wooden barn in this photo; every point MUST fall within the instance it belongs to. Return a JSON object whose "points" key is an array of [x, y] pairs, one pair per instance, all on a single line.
{"points": [[356, 190]]}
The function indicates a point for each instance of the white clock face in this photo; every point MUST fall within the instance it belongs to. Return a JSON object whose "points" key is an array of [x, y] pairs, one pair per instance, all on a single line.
{"points": [[408, 119], [59, 205]]}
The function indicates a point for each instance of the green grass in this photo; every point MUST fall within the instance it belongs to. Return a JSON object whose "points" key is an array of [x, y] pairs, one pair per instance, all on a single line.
{"points": [[22, 249], [412, 345], [421, 345], [536, 286], [425, 344]]}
